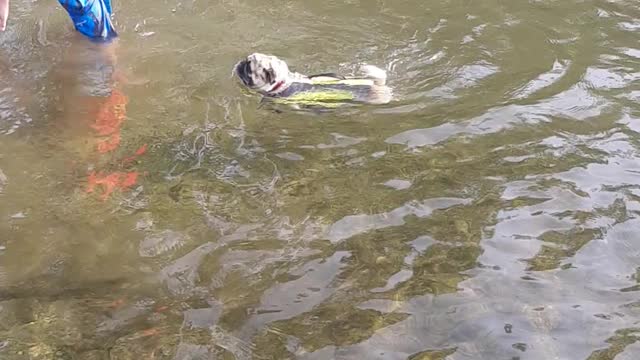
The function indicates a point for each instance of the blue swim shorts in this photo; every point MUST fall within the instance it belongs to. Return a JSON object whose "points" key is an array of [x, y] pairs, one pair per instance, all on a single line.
{"points": [[91, 18]]}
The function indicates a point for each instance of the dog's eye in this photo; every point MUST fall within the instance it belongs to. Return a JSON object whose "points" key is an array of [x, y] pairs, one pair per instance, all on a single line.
{"points": [[268, 76]]}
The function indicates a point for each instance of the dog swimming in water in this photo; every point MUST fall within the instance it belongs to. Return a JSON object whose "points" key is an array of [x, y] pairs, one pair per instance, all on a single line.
{"points": [[271, 77]]}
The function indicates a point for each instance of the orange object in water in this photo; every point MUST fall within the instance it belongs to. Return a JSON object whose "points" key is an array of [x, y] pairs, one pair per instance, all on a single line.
{"points": [[111, 182], [129, 180], [150, 332], [141, 151], [109, 119], [111, 113], [109, 144]]}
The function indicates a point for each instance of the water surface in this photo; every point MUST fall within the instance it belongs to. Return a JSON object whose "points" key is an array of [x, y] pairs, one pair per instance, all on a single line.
{"points": [[491, 211]]}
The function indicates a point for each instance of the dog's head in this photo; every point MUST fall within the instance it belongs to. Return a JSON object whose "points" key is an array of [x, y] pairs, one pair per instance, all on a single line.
{"points": [[264, 73]]}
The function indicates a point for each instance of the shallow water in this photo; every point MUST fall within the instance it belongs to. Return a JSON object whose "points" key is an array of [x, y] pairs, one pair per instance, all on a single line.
{"points": [[490, 211]]}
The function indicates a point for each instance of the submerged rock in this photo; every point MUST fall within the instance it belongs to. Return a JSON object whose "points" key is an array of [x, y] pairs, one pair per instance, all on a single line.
{"points": [[398, 184], [160, 243]]}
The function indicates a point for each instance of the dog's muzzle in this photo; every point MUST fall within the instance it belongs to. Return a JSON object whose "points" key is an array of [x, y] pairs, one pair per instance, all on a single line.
{"points": [[243, 70]]}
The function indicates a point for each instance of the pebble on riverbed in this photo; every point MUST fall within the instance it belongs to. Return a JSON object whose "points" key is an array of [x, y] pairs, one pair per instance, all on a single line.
{"points": [[18, 216], [3, 181]]}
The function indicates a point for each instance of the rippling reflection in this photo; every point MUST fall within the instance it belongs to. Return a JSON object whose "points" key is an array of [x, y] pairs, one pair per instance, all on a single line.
{"points": [[489, 212]]}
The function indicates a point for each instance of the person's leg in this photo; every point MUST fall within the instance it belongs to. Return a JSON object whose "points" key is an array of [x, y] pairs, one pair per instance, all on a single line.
{"points": [[107, 3], [95, 111], [92, 18], [95, 96]]}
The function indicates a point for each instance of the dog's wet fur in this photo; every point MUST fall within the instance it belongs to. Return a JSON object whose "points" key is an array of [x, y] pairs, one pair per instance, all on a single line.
{"points": [[271, 77]]}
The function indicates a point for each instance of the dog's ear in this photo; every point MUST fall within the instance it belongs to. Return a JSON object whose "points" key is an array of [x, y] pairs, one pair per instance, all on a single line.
{"points": [[243, 70]]}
